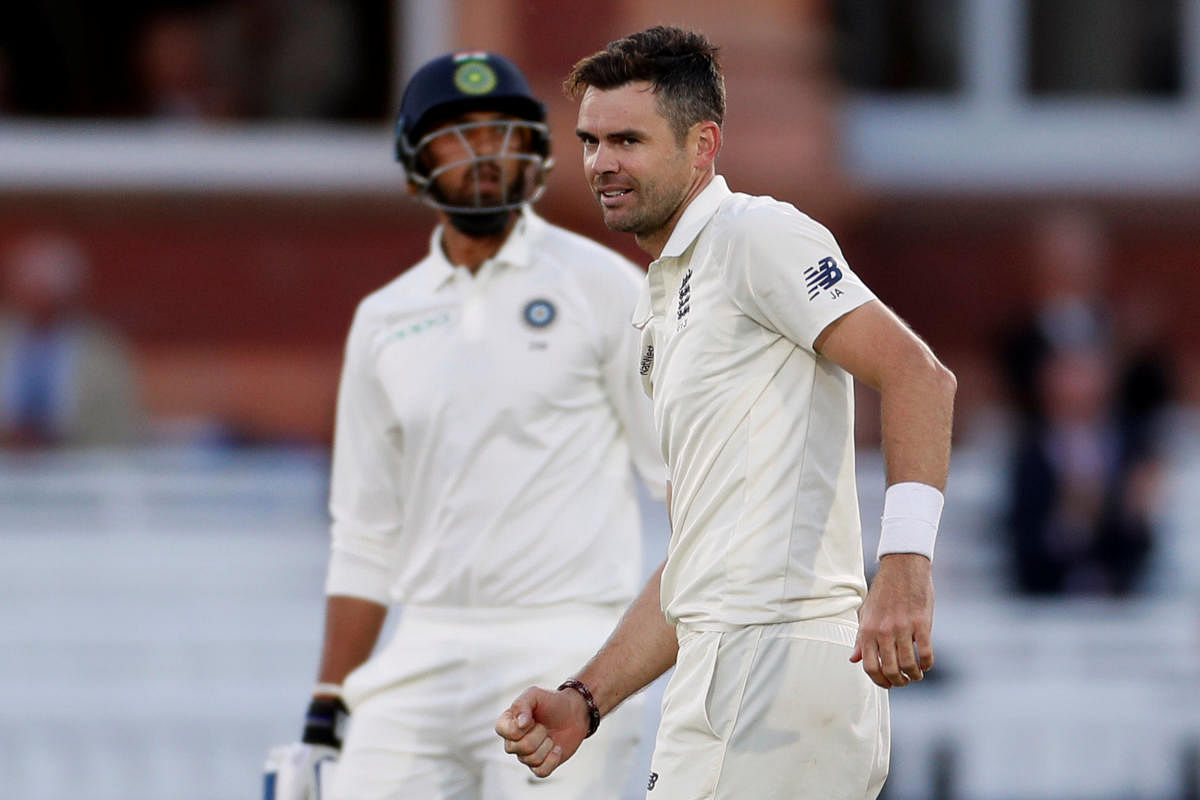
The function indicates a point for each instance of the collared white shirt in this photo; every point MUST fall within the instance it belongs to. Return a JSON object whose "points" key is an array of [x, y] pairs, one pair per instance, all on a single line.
{"points": [[486, 429], [756, 429]]}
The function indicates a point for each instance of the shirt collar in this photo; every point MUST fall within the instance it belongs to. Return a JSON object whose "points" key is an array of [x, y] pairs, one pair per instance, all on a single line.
{"points": [[696, 216], [517, 251]]}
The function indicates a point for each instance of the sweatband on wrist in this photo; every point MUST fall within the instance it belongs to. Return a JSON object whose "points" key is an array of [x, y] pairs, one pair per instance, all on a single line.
{"points": [[911, 513], [586, 693], [324, 722]]}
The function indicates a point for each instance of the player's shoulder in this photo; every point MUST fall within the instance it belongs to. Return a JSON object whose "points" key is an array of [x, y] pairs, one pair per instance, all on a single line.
{"points": [[582, 257], [762, 217], [568, 245], [409, 290]]}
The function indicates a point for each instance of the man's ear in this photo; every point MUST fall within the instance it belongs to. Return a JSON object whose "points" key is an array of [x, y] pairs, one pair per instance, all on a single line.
{"points": [[707, 138]]}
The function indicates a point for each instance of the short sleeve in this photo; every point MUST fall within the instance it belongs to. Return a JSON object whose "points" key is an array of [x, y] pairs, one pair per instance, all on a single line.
{"points": [[787, 273]]}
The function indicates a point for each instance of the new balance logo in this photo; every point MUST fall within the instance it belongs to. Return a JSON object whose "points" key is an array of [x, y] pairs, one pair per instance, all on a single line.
{"points": [[823, 276], [685, 295]]}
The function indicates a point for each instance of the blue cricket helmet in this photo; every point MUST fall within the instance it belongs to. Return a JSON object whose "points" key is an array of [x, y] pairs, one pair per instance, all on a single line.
{"points": [[459, 82]]}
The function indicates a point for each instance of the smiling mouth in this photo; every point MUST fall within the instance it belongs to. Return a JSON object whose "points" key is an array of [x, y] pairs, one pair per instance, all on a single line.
{"points": [[611, 198]]}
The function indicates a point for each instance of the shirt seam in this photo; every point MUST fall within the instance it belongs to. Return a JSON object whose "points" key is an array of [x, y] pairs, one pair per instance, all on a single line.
{"points": [[800, 480]]}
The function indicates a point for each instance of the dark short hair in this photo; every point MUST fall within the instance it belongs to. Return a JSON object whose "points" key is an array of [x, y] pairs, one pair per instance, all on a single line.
{"points": [[681, 67]]}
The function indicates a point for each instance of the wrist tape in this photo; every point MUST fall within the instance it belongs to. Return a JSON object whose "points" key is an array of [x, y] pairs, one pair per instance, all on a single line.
{"points": [[324, 722], [911, 513]]}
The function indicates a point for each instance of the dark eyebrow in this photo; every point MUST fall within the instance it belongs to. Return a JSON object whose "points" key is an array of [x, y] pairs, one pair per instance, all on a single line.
{"points": [[625, 134]]}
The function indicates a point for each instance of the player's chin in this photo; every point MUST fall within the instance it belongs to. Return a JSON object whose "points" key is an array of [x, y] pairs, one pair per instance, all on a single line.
{"points": [[621, 223]]}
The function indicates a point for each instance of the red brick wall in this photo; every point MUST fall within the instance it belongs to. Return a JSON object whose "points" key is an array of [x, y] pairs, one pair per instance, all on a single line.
{"points": [[255, 295]]}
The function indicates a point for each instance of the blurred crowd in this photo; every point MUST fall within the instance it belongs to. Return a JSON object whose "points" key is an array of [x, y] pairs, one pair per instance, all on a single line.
{"points": [[1088, 370], [1090, 380], [1089, 373], [67, 378], [196, 59]]}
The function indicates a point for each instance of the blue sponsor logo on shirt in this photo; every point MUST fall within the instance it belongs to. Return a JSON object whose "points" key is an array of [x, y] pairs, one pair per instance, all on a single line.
{"points": [[823, 276]]}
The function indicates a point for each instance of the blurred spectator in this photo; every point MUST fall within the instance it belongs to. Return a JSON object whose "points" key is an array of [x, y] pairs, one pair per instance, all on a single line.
{"points": [[1089, 386], [1082, 499], [66, 379], [1147, 379], [1068, 309], [308, 55], [200, 59], [175, 69], [270, 58]]}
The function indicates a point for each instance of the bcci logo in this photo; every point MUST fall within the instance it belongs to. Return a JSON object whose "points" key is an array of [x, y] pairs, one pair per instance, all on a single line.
{"points": [[474, 76], [539, 313]]}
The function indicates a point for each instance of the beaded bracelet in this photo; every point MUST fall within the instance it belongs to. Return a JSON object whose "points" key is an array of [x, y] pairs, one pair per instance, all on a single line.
{"points": [[593, 711]]}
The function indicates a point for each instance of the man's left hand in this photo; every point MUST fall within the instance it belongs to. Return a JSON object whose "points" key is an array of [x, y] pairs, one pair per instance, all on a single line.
{"points": [[894, 642]]}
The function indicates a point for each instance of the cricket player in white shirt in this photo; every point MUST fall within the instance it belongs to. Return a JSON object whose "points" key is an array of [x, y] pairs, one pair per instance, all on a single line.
{"points": [[489, 417], [752, 325]]}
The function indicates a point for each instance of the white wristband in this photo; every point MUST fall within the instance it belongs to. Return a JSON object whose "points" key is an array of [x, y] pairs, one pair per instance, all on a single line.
{"points": [[330, 689], [911, 512]]}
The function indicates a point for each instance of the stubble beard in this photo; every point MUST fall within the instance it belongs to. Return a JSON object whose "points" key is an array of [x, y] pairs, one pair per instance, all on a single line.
{"points": [[650, 213]]}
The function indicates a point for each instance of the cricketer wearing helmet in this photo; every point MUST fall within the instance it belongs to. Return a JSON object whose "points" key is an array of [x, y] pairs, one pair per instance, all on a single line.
{"points": [[490, 418], [499, 142]]}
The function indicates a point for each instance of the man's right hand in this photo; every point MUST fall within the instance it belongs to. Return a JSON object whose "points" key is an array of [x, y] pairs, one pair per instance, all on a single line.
{"points": [[543, 728], [304, 769], [298, 771]]}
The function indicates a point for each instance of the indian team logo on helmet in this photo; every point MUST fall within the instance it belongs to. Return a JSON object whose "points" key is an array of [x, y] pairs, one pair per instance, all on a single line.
{"points": [[539, 313], [475, 77]]}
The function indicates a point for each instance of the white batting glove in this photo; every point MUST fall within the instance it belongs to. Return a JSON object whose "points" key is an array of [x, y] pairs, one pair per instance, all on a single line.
{"points": [[299, 771], [304, 770]]}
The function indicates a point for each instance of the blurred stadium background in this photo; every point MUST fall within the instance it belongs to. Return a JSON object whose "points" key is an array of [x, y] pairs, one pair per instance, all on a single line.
{"points": [[221, 169]]}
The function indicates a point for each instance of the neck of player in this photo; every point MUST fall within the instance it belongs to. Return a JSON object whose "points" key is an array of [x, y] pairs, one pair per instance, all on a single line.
{"points": [[470, 250]]}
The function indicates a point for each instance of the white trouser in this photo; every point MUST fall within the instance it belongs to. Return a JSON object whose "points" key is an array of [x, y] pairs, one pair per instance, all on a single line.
{"points": [[423, 710], [771, 712]]}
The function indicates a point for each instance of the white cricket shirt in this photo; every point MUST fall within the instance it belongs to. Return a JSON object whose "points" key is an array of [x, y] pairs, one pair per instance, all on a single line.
{"points": [[757, 430], [482, 454]]}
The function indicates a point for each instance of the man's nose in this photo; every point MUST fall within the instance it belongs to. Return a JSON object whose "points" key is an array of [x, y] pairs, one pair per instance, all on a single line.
{"points": [[604, 160]]}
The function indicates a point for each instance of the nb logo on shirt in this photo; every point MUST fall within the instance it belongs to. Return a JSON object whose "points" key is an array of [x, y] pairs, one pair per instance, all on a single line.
{"points": [[685, 300], [823, 276]]}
